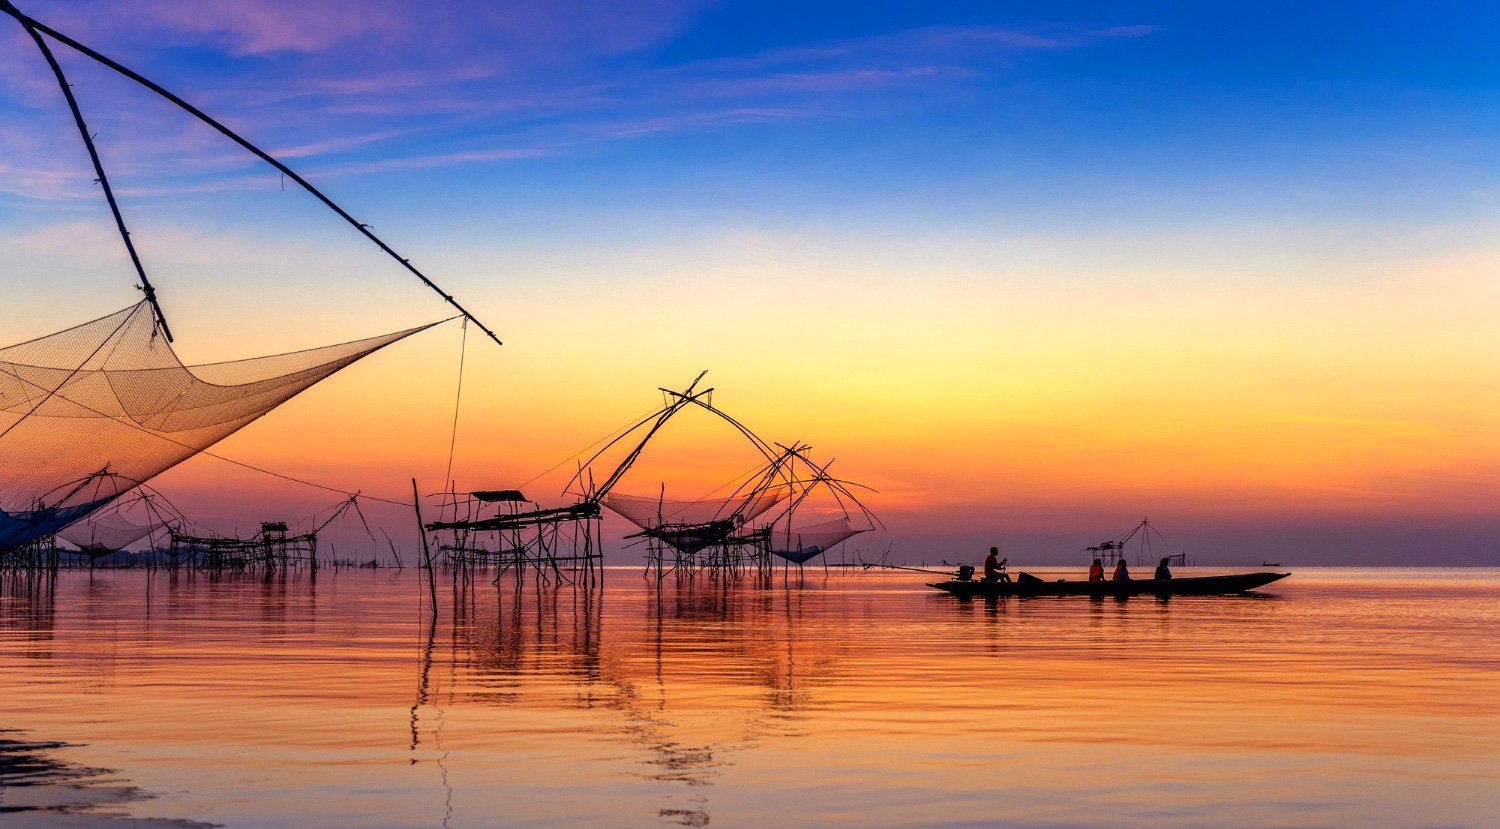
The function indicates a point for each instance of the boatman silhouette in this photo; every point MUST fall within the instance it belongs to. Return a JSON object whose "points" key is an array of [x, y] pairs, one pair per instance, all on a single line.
{"points": [[994, 567]]}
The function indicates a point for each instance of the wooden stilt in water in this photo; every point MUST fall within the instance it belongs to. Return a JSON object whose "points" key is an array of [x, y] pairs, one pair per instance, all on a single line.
{"points": [[416, 503]]}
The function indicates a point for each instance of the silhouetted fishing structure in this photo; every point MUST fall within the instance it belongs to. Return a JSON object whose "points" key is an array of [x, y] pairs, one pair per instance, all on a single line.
{"points": [[102, 533], [165, 538], [504, 531], [687, 536], [270, 549], [1111, 552], [132, 519], [277, 546], [91, 412], [32, 555], [179, 543], [756, 524], [752, 528], [738, 533]]}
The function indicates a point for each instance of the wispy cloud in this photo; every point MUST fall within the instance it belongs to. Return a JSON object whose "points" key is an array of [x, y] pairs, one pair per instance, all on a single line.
{"points": [[339, 144], [243, 28], [831, 81], [230, 26], [952, 42], [382, 31], [390, 86], [418, 162], [685, 121]]}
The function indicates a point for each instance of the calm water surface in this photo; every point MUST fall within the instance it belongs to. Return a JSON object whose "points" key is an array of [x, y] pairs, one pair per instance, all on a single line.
{"points": [[1340, 698]]}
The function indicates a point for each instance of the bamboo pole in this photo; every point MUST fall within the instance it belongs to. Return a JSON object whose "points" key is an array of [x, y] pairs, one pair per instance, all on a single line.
{"points": [[416, 503]]}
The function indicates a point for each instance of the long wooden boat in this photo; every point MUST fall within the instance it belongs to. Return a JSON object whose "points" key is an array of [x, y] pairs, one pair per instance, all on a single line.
{"points": [[1028, 585]]}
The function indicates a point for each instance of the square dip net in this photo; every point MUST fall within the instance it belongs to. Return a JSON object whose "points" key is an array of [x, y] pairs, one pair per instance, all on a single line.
{"points": [[93, 411]]}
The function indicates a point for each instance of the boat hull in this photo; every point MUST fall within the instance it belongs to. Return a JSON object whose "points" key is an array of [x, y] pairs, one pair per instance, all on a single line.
{"points": [[1193, 586]]}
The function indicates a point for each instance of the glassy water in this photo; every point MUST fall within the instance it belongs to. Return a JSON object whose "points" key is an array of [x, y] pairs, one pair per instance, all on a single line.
{"points": [[1339, 698]]}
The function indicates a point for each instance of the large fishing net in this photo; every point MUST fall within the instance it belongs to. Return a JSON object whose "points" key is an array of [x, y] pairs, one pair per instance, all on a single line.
{"points": [[650, 513], [93, 411], [105, 534], [799, 544], [141, 517]]}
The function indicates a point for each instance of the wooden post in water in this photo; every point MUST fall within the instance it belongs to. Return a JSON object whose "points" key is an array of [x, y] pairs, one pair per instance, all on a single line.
{"points": [[416, 503]]}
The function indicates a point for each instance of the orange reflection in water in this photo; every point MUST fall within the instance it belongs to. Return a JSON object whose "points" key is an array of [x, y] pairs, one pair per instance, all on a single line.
{"points": [[1345, 697]]}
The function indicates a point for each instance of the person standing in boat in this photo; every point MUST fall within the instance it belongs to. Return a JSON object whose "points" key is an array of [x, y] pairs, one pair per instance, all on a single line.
{"points": [[1122, 572], [1096, 571], [1163, 572], [994, 567]]}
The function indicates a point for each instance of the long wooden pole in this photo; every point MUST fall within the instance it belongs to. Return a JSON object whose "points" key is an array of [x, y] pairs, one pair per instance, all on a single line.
{"points": [[109, 193], [33, 26], [416, 503]]}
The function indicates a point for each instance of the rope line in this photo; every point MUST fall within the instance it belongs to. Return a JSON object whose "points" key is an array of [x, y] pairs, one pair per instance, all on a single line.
{"points": [[463, 348], [635, 423]]}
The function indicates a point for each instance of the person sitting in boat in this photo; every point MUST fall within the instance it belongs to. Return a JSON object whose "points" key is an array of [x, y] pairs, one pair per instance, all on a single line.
{"points": [[1163, 572], [1096, 571], [1122, 573], [994, 567]]}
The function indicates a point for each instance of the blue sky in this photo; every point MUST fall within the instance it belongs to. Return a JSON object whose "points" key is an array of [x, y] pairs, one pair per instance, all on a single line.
{"points": [[997, 110]]}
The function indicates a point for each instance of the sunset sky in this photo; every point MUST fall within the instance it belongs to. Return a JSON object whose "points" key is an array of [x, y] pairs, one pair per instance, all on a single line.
{"points": [[1031, 270]]}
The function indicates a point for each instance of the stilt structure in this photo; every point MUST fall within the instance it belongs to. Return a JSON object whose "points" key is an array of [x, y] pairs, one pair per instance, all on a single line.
{"points": [[504, 532], [275, 547], [33, 555], [269, 550]]}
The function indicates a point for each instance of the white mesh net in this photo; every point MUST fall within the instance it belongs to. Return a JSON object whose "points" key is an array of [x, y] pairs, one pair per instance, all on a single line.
{"points": [[648, 513], [90, 412], [801, 544]]}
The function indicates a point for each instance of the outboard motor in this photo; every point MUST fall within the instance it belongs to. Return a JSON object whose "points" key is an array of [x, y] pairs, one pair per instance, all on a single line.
{"points": [[965, 572]]}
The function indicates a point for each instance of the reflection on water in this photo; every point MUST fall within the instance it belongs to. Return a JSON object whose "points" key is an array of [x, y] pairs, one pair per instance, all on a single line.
{"points": [[1343, 697], [39, 790]]}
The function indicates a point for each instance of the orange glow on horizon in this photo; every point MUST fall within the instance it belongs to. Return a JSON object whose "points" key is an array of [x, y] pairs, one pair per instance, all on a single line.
{"points": [[1010, 403]]}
